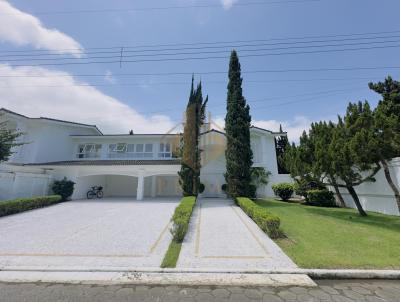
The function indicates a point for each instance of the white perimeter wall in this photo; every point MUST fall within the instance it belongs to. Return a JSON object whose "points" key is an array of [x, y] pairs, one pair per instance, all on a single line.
{"points": [[377, 196], [23, 185]]}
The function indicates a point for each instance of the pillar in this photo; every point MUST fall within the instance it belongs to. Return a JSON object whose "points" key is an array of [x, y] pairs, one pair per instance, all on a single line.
{"points": [[140, 188], [153, 186]]}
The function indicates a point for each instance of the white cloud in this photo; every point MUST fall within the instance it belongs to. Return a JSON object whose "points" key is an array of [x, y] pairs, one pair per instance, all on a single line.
{"points": [[294, 127], [59, 97], [227, 4], [20, 28]]}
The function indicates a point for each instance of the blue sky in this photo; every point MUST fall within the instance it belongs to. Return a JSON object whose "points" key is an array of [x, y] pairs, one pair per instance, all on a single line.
{"points": [[155, 103]]}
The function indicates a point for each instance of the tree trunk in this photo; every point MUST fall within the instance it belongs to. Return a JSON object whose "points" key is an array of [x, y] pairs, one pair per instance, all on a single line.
{"points": [[390, 182], [338, 194], [356, 200]]}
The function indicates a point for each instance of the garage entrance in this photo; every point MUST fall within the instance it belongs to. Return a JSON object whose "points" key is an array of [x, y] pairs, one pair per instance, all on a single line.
{"points": [[115, 185]]}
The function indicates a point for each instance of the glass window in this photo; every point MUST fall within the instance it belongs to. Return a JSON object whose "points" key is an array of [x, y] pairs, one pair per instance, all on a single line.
{"points": [[149, 148], [165, 150], [139, 148], [89, 150], [130, 148], [121, 147]]}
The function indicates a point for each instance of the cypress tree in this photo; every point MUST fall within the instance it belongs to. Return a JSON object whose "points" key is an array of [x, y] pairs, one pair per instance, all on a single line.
{"points": [[239, 157], [189, 175], [281, 146]]}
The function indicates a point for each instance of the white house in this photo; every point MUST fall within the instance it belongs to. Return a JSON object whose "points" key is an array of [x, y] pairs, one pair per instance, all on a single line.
{"points": [[138, 165]]}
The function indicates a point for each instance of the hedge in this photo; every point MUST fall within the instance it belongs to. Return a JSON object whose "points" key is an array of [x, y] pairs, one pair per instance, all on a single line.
{"points": [[321, 198], [181, 218], [25, 204], [268, 222]]}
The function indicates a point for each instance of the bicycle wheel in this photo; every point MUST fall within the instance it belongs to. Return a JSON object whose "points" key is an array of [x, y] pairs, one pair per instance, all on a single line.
{"points": [[90, 194], [99, 194]]}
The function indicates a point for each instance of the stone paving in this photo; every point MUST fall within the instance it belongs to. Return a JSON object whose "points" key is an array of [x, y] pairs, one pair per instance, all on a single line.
{"points": [[113, 232], [222, 236], [327, 290]]}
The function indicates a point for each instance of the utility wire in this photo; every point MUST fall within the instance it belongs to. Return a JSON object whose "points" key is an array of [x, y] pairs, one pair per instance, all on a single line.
{"points": [[164, 8], [121, 55], [183, 73], [234, 43], [206, 58]]}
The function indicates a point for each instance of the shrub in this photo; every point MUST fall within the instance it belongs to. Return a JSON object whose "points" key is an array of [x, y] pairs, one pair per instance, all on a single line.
{"points": [[181, 218], [268, 222], [284, 190], [25, 204], [224, 187], [303, 185], [201, 188], [63, 187], [322, 198]]}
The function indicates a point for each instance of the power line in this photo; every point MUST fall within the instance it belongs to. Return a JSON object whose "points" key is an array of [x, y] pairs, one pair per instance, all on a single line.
{"points": [[121, 56], [183, 73], [234, 42], [164, 8], [206, 58], [186, 83]]}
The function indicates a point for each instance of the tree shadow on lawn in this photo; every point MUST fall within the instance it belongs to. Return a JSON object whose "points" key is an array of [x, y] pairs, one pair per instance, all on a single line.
{"points": [[373, 219]]}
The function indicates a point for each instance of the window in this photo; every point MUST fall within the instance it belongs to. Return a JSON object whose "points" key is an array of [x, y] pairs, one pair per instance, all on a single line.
{"points": [[165, 150], [123, 150], [89, 151]]}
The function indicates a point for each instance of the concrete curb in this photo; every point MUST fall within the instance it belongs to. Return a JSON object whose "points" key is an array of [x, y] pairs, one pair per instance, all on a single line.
{"points": [[188, 279], [313, 273]]}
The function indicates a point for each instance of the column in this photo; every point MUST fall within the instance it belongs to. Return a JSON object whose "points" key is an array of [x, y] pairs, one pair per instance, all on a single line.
{"points": [[140, 188], [153, 186]]}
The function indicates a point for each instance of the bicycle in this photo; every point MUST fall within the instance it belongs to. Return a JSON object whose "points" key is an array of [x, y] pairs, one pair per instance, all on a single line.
{"points": [[96, 191]]}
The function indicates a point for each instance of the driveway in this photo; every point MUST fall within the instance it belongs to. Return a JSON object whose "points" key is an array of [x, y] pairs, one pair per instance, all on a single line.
{"points": [[222, 236], [111, 232]]}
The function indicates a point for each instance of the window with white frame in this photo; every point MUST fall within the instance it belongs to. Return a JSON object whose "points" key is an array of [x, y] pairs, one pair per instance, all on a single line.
{"points": [[89, 151], [123, 150], [165, 150]]}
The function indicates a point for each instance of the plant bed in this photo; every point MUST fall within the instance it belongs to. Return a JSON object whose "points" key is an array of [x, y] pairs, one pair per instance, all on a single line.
{"points": [[320, 237], [25, 204], [180, 219], [267, 221]]}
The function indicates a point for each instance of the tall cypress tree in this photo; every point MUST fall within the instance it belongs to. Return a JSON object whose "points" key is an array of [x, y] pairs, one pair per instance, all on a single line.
{"points": [[189, 175], [239, 157], [281, 146]]}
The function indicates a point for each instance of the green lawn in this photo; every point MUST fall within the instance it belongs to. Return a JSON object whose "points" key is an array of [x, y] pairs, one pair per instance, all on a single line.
{"points": [[337, 238], [172, 255]]}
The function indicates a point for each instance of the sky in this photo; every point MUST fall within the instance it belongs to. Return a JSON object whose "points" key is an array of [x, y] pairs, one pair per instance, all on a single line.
{"points": [[128, 64]]}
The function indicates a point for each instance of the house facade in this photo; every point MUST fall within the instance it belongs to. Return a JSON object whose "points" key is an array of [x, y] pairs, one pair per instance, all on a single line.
{"points": [[138, 165]]}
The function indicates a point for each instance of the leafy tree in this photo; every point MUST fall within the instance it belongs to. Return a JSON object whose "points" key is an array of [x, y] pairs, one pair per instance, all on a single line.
{"points": [[190, 166], [8, 140], [387, 127], [281, 146], [239, 156], [323, 134], [352, 149]]}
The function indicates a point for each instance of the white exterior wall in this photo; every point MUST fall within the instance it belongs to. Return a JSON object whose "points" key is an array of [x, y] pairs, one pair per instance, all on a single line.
{"points": [[377, 196]]}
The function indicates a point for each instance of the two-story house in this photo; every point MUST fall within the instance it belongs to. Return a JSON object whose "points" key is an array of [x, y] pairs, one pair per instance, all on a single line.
{"points": [[136, 165]]}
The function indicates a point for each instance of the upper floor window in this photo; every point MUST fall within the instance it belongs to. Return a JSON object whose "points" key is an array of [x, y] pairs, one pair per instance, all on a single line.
{"points": [[165, 150], [123, 150], [89, 151]]}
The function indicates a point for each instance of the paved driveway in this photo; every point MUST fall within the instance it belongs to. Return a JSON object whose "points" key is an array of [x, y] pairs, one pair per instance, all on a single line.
{"points": [[111, 232], [222, 236]]}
